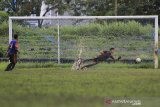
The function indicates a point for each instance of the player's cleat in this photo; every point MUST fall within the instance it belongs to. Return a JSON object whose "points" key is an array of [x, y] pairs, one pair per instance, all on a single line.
{"points": [[77, 64]]}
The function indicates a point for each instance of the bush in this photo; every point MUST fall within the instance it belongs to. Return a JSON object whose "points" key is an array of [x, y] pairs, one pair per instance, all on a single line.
{"points": [[3, 23], [114, 29], [3, 16], [3, 28], [2, 51]]}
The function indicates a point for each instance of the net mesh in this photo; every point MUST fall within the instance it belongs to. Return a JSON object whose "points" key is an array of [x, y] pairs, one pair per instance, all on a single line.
{"points": [[130, 38]]}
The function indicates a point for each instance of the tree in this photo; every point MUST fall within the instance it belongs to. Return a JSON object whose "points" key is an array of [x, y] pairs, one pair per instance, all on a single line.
{"points": [[59, 6], [92, 7], [28, 7], [82, 7]]}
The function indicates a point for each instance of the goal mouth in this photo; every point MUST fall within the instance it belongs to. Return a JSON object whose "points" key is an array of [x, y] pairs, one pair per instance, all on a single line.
{"points": [[67, 35]]}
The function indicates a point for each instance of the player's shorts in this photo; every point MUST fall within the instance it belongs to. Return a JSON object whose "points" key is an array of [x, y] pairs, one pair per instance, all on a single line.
{"points": [[13, 58], [99, 59]]}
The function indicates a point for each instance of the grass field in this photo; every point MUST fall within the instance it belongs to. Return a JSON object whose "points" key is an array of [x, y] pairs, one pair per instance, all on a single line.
{"points": [[58, 86]]}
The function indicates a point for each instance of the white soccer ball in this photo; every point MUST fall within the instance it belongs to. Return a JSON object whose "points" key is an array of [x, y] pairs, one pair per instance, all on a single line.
{"points": [[138, 60]]}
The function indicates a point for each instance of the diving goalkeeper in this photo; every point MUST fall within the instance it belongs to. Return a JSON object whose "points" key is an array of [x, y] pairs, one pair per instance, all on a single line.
{"points": [[104, 55]]}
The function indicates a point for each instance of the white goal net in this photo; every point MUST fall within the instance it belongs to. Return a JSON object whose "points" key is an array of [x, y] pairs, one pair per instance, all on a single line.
{"points": [[62, 38]]}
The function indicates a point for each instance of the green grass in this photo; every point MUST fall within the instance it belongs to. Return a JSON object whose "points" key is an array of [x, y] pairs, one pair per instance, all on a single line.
{"points": [[58, 86]]}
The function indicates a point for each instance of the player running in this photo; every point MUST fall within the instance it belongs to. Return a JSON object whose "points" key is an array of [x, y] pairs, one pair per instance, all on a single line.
{"points": [[104, 55], [12, 53]]}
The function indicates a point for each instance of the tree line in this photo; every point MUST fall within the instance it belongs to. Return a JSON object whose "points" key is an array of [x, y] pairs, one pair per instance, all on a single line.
{"points": [[82, 7]]}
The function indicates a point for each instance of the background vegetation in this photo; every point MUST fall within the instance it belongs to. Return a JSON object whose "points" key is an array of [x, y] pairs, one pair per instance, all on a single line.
{"points": [[38, 42], [81, 7]]}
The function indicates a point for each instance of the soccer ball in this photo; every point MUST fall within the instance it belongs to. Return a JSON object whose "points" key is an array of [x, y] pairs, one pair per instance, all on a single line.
{"points": [[138, 60]]}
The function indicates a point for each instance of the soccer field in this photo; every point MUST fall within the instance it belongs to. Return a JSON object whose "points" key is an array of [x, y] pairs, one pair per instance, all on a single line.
{"points": [[60, 87]]}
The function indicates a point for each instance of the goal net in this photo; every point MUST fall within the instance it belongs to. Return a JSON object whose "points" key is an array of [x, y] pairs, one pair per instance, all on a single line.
{"points": [[66, 38]]}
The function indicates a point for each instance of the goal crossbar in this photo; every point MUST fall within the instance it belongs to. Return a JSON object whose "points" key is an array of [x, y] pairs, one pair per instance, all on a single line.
{"points": [[82, 17], [155, 17]]}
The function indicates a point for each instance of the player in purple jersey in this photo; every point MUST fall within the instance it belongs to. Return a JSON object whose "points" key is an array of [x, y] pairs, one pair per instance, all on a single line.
{"points": [[12, 53], [104, 55]]}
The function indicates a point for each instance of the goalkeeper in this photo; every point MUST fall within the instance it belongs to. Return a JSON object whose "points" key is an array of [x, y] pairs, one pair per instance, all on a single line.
{"points": [[104, 55], [12, 53]]}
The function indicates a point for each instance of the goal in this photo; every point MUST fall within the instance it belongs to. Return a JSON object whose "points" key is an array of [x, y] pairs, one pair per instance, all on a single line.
{"points": [[64, 36]]}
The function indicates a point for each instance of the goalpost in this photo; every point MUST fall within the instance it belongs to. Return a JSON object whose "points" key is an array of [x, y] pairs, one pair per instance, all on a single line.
{"points": [[57, 18]]}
